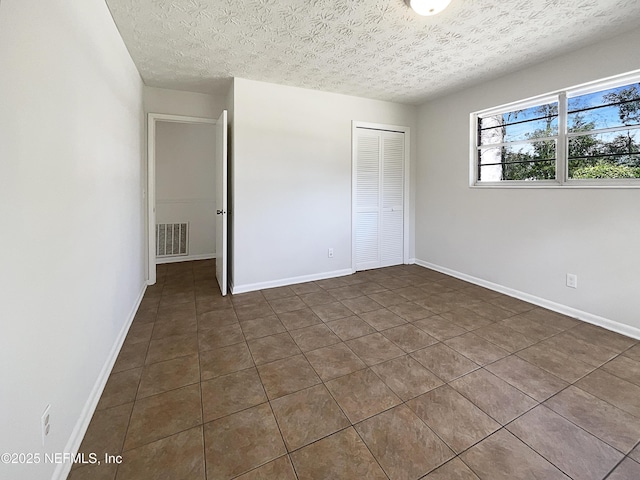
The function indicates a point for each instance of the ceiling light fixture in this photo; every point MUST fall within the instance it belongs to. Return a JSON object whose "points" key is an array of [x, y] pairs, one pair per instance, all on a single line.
{"points": [[428, 7]]}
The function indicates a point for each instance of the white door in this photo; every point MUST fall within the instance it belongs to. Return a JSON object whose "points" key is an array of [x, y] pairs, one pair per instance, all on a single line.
{"points": [[378, 198], [367, 199], [392, 199], [221, 202]]}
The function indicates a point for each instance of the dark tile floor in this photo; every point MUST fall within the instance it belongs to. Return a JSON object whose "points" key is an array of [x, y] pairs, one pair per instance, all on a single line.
{"points": [[399, 373]]}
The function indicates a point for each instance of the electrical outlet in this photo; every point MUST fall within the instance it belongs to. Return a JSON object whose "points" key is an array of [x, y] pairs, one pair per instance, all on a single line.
{"points": [[572, 280], [45, 423], [330, 253]]}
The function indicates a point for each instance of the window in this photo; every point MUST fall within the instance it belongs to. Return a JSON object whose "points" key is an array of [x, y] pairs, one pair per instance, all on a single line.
{"points": [[603, 132], [518, 144], [581, 136]]}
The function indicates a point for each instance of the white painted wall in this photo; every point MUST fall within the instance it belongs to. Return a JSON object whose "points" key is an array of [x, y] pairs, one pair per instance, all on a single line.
{"points": [[185, 185], [176, 102], [529, 239], [292, 179], [71, 188]]}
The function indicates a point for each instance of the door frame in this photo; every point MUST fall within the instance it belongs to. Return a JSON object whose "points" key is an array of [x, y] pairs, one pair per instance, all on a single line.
{"points": [[407, 176], [152, 119]]}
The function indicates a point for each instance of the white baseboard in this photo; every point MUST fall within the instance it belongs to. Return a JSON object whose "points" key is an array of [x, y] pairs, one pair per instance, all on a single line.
{"points": [[73, 445], [185, 258], [612, 325], [289, 281]]}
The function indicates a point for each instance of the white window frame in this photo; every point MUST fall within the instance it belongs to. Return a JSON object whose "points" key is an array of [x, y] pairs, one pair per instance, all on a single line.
{"points": [[562, 147]]}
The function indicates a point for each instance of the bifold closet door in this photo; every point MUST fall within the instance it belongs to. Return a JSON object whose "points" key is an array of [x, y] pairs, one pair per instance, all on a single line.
{"points": [[378, 198]]}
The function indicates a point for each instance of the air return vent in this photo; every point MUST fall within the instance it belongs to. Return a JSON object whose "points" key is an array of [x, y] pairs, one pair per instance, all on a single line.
{"points": [[172, 239]]}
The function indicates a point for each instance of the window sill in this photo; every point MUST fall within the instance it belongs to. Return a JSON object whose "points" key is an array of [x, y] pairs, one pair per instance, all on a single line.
{"points": [[553, 185]]}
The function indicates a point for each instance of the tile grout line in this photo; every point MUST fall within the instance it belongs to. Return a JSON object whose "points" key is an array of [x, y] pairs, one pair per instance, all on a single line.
{"points": [[403, 402]]}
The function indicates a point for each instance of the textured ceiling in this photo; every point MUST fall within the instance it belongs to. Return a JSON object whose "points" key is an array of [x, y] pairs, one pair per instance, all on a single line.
{"points": [[370, 48]]}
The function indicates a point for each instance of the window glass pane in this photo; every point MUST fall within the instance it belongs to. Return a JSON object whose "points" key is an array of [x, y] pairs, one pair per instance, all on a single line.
{"points": [[547, 127], [541, 170], [610, 143], [605, 167], [605, 155], [533, 122], [605, 109], [530, 161]]}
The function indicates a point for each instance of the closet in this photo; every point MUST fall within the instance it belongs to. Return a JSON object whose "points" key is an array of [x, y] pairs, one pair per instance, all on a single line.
{"points": [[378, 198]]}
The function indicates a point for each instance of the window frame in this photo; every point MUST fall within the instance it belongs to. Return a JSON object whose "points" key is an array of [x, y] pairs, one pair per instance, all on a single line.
{"points": [[562, 179]]}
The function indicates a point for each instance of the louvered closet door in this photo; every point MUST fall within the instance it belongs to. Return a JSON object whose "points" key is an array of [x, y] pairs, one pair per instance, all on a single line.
{"points": [[379, 198], [367, 199], [392, 199]]}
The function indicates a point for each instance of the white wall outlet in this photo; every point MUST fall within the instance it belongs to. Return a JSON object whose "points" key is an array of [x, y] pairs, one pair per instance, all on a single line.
{"points": [[330, 252], [45, 423], [572, 280]]}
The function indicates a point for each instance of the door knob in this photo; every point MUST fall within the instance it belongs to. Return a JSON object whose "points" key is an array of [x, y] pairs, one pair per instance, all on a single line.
{"points": [[219, 212]]}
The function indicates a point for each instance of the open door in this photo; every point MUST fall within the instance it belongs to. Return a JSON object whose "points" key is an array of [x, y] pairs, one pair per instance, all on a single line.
{"points": [[221, 202]]}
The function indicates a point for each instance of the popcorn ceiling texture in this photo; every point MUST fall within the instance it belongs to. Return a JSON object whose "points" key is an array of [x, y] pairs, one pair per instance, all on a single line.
{"points": [[372, 48]]}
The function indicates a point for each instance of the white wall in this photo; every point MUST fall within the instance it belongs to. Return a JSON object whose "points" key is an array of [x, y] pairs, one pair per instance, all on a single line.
{"points": [[176, 102], [529, 239], [292, 179], [185, 185], [72, 268]]}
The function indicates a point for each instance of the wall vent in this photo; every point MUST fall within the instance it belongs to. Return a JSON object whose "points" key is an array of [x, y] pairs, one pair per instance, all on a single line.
{"points": [[172, 239]]}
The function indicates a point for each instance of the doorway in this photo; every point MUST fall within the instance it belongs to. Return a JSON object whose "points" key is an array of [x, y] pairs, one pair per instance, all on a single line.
{"points": [[380, 195], [182, 187]]}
